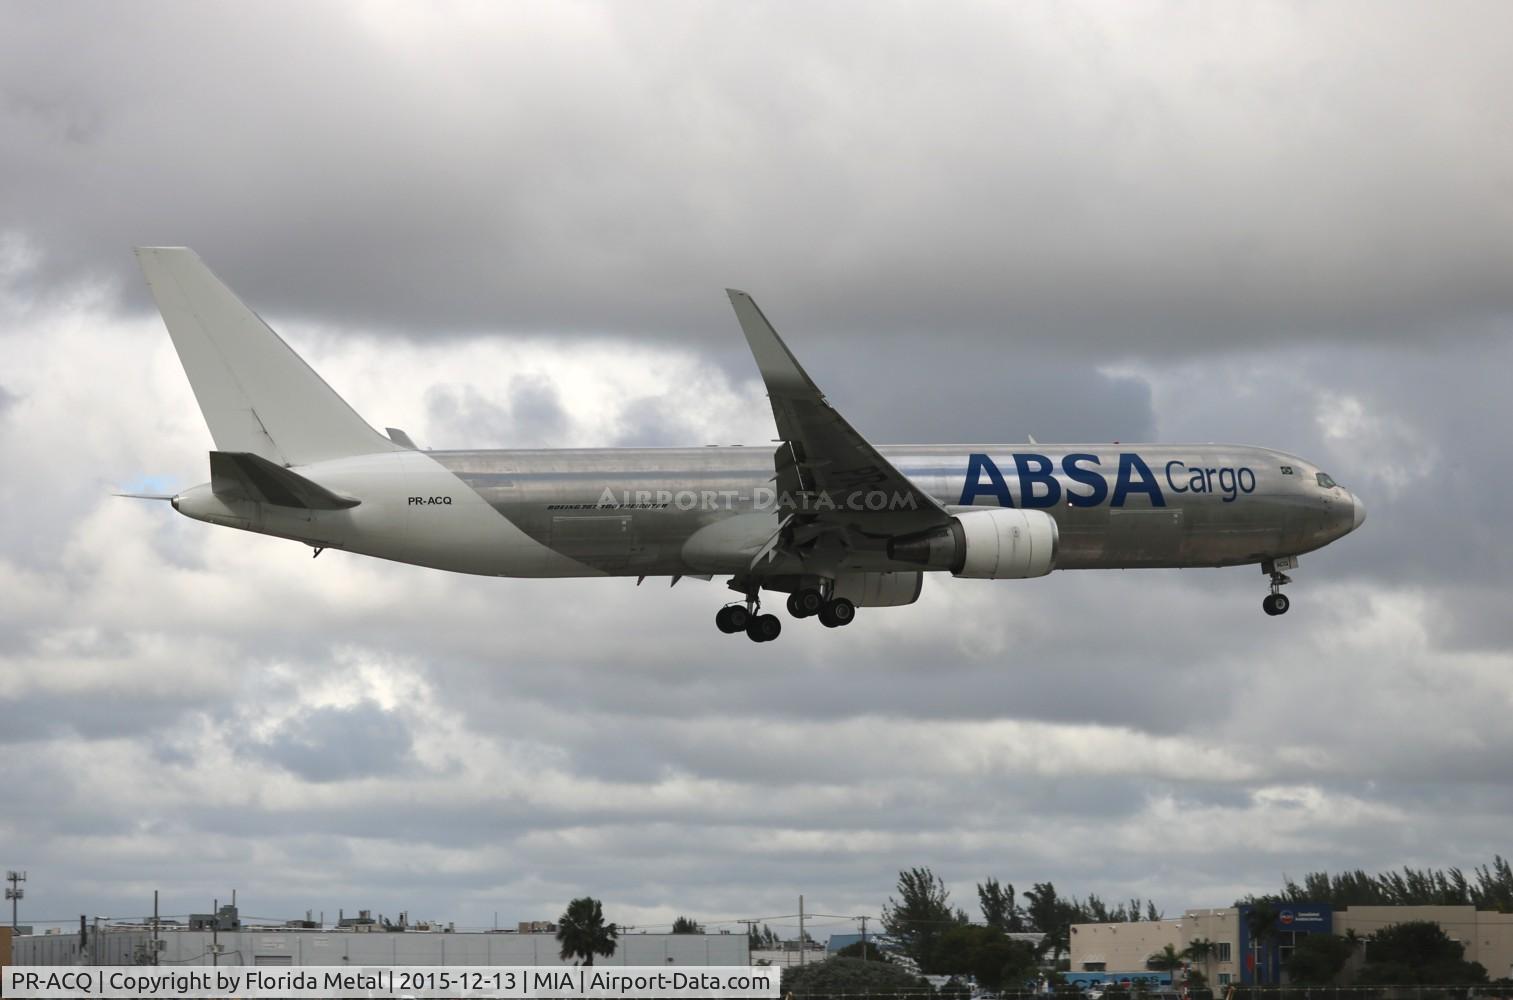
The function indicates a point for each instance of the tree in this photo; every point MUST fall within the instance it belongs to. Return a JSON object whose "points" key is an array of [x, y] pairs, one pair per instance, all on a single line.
{"points": [[1418, 951], [1168, 959], [1490, 887], [851, 976], [998, 906], [582, 932], [920, 915], [987, 954], [1200, 951], [1053, 917], [1318, 959], [686, 925]]}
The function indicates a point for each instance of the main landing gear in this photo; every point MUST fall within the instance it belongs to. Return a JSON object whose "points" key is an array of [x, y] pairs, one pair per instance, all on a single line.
{"points": [[808, 602], [733, 618], [1276, 602]]}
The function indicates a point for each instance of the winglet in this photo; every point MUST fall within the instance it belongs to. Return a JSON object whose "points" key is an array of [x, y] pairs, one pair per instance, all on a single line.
{"points": [[823, 462], [775, 361]]}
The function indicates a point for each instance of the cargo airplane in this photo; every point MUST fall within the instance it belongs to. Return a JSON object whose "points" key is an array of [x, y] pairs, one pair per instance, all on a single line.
{"points": [[827, 519]]}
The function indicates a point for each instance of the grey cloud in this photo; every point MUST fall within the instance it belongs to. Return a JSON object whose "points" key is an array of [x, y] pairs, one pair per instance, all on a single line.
{"points": [[337, 744], [534, 418], [921, 389], [1163, 192], [650, 423]]}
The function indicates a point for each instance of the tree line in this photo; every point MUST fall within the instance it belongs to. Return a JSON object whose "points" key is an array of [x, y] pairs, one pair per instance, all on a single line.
{"points": [[943, 940], [1489, 887]]}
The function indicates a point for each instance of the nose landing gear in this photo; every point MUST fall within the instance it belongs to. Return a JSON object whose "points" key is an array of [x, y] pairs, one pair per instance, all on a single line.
{"points": [[1276, 602]]}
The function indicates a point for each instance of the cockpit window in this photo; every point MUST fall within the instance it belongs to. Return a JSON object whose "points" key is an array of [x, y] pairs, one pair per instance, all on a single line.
{"points": [[1325, 481]]}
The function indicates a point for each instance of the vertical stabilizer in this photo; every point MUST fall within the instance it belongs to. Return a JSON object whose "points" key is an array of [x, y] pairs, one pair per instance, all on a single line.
{"points": [[257, 395]]}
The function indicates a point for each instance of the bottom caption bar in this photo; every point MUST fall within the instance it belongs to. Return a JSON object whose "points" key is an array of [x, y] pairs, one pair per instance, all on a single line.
{"points": [[43, 982]]}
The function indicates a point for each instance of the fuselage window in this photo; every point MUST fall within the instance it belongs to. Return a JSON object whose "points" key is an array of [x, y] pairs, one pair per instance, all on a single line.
{"points": [[1325, 481]]}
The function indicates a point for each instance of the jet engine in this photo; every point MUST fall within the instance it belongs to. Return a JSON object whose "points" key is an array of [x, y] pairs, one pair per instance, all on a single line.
{"points": [[994, 543]]}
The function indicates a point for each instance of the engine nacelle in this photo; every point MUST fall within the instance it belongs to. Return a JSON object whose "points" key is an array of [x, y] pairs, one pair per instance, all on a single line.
{"points": [[995, 543], [879, 590]]}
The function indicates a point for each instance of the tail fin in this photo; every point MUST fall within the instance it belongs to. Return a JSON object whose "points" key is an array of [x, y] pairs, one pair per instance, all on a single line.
{"points": [[257, 395]]}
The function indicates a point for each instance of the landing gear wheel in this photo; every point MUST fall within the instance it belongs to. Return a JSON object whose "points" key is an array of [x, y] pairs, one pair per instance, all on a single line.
{"points": [[1275, 604], [806, 602], [763, 628], [837, 613], [732, 618]]}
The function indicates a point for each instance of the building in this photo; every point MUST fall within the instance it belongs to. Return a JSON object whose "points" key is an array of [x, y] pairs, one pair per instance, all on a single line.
{"points": [[297, 946], [1118, 952], [5, 947], [1487, 936]]}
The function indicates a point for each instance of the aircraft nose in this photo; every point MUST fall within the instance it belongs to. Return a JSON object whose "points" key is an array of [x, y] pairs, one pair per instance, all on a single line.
{"points": [[1360, 512]]}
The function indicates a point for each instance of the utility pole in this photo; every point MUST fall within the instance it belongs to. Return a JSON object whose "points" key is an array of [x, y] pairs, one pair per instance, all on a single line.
{"points": [[215, 932], [864, 937], [803, 956], [15, 893], [155, 927], [750, 933]]}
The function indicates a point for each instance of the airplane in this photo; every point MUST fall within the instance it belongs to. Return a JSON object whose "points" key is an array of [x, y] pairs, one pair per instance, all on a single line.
{"points": [[826, 518]]}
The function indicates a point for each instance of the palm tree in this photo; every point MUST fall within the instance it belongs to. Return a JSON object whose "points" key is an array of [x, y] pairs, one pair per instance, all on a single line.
{"points": [[1168, 959], [1057, 941], [1201, 951], [1262, 922], [583, 933]]}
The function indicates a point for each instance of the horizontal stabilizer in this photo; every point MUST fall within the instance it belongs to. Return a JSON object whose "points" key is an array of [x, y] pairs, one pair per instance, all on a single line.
{"points": [[241, 475]]}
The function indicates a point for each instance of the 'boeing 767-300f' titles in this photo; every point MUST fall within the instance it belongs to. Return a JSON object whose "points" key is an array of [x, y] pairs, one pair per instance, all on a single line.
{"points": [[827, 518]]}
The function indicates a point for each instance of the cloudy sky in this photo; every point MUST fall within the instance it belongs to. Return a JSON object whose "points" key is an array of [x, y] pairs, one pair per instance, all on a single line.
{"points": [[497, 225]]}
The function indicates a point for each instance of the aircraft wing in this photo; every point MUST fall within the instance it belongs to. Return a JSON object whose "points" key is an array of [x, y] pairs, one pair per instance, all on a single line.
{"points": [[828, 476]]}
